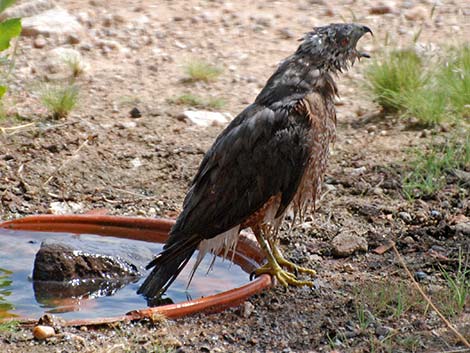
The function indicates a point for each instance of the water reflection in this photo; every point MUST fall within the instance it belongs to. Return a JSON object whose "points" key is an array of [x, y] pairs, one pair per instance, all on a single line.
{"points": [[90, 299], [5, 291]]}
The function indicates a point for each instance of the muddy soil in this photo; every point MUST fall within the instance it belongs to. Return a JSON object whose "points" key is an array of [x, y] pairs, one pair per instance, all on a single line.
{"points": [[102, 157]]}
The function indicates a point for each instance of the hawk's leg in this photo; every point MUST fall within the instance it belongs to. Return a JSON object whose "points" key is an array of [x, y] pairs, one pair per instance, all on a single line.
{"points": [[281, 260], [274, 269]]}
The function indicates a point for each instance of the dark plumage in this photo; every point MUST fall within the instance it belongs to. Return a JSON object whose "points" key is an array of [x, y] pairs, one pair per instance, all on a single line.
{"points": [[272, 156]]}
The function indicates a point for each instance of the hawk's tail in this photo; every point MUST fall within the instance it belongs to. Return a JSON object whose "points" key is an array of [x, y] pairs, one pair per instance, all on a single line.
{"points": [[167, 266]]}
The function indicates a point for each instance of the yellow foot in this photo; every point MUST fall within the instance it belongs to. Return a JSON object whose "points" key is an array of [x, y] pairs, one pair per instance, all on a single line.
{"points": [[284, 277], [290, 265]]}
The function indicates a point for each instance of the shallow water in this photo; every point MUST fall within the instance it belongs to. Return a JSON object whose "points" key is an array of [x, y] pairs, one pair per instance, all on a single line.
{"points": [[17, 253]]}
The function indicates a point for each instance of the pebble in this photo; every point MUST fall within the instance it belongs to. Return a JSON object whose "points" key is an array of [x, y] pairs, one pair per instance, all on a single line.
{"points": [[462, 228], [346, 244], [417, 13], [358, 171], [380, 9], [39, 42], [41, 332], [420, 276], [383, 331], [247, 309], [405, 216], [135, 113], [205, 118], [61, 208]]}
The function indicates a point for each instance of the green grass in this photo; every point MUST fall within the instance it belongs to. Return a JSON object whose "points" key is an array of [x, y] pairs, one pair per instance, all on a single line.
{"points": [[397, 74], [431, 91], [453, 79], [10, 325], [192, 100], [386, 299], [430, 166], [198, 70], [458, 284], [5, 292], [59, 99]]}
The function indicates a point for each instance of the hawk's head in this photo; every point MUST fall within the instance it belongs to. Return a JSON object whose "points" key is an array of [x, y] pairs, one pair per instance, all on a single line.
{"points": [[333, 47]]}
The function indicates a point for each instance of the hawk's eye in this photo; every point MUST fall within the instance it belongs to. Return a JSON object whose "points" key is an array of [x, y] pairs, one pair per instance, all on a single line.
{"points": [[344, 42]]}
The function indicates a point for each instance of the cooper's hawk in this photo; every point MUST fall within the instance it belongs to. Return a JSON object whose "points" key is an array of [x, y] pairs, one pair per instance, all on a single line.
{"points": [[271, 158]]}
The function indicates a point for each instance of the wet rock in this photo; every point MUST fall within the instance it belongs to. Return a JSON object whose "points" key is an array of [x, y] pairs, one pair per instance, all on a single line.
{"points": [[205, 118], [346, 244], [27, 9], [77, 268], [42, 332], [55, 21]]}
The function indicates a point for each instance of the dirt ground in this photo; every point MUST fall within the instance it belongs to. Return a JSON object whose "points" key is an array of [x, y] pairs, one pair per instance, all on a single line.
{"points": [[101, 157]]}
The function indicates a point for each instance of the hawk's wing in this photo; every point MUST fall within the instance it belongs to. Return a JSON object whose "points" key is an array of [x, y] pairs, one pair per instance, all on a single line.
{"points": [[262, 153]]}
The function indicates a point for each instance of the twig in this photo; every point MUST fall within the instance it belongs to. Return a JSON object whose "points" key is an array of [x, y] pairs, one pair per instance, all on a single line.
{"points": [[420, 290], [74, 154], [13, 128]]}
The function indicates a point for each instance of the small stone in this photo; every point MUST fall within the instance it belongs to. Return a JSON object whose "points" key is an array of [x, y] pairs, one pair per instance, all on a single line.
{"points": [[405, 216], [61, 208], [358, 171], [205, 118], [383, 331], [42, 332], [247, 309], [39, 42], [126, 125], [408, 240], [55, 21], [286, 33], [462, 228], [380, 9], [417, 13], [346, 244], [135, 113], [420, 276], [435, 214]]}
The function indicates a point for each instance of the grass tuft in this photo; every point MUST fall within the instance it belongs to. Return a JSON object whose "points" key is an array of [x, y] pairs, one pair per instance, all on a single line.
{"points": [[430, 91], [431, 166], [192, 100], [398, 74], [60, 100], [198, 70], [459, 288]]}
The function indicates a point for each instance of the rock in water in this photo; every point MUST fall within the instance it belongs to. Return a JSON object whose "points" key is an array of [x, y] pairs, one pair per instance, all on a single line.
{"points": [[77, 268]]}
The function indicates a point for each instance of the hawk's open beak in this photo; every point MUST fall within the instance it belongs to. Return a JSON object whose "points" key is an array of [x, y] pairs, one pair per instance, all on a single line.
{"points": [[365, 30]]}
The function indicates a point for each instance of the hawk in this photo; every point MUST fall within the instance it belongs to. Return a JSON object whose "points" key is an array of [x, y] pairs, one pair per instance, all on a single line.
{"points": [[268, 161]]}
